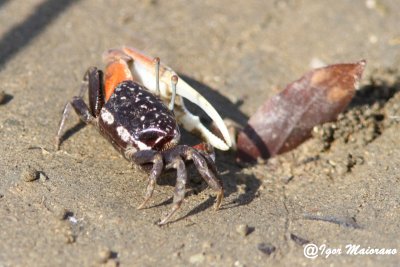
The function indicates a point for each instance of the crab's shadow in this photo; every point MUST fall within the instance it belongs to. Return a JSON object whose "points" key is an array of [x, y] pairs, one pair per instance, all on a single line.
{"points": [[242, 188], [71, 131], [5, 99], [239, 188], [373, 93], [223, 105]]}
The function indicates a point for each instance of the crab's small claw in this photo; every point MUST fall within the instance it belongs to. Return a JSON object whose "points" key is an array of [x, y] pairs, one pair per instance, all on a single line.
{"points": [[143, 68]]}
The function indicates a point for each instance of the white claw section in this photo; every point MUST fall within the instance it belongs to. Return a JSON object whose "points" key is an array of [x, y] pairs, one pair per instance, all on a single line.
{"points": [[186, 91], [143, 68], [192, 122]]}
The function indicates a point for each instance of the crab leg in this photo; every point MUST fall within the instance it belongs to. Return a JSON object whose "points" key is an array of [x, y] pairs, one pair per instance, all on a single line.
{"points": [[149, 156], [68, 106], [207, 174], [179, 194], [143, 68]]}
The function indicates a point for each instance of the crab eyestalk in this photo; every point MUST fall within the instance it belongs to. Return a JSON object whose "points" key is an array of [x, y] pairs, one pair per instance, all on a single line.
{"points": [[157, 72], [174, 81]]}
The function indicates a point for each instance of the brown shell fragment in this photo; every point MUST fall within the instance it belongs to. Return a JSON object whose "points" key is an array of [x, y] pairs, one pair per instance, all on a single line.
{"points": [[286, 120]]}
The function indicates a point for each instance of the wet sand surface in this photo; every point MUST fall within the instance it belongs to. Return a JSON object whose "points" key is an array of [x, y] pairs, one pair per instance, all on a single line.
{"points": [[77, 206]]}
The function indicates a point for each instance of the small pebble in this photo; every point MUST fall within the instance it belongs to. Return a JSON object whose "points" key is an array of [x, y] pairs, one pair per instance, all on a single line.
{"points": [[265, 248], [177, 254], [241, 188], [373, 39], [111, 263], [341, 169], [151, 2], [197, 258], [243, 229], [67, 233], [61, 213], [287, 178], [29, 174], [104, 255], [370, 4], [207, 245], [261, 161], [69, 236], [72, 219], [299, 240], [238, 264], [42, 177], [317, 63]]}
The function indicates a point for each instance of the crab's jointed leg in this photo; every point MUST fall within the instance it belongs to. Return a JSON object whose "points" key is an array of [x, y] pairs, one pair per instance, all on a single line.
{"points": [[208, 174], [179, 193], [96, 101], [149, 156], [175, 158]]}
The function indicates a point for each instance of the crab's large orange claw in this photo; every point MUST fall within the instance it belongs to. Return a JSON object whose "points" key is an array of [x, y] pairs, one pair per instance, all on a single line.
{"points": [[116, 72], [142, 68]]}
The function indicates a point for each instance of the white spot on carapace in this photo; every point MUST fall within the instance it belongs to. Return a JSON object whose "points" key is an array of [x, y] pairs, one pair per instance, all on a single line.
{"points": [[142, 118], [157, 115], [107, 116], [142, 146], [123, 97], [123, 133]]}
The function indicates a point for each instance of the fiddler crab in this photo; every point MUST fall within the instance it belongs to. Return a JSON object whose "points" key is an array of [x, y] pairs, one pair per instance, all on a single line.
{"points": [[137, 105]]}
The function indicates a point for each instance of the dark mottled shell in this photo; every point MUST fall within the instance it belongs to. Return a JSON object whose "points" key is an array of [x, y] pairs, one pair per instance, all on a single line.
{"points": [[135, 118]]}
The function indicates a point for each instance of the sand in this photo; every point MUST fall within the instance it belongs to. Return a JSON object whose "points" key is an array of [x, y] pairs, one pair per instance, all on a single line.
{"points": [[77, 206]]}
